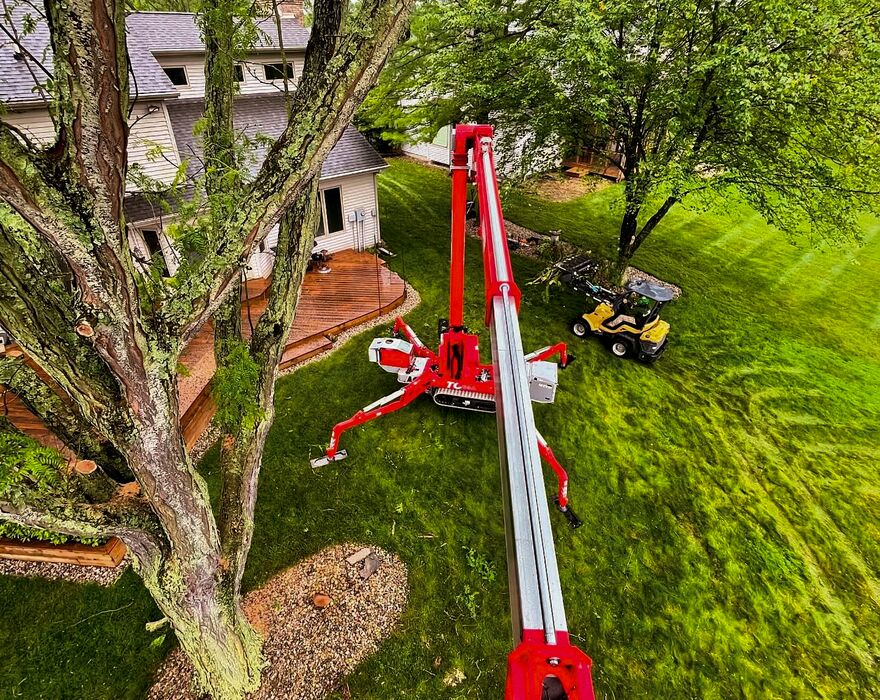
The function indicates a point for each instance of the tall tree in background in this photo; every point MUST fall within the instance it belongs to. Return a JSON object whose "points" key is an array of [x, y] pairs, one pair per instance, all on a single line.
{"points": [[109, 334], [777, 100]]}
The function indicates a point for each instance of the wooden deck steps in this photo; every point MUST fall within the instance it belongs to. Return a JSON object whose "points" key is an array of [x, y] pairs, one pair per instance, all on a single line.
{"points": [[304, 350], [198, 417]]}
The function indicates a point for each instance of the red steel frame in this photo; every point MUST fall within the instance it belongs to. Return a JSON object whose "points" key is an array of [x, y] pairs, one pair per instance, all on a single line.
{"points": [[456, 366], [444, 371]]}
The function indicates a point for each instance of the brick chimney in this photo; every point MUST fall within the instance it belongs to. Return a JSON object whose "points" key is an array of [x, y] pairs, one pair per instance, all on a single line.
{"points": [[292, 8]]}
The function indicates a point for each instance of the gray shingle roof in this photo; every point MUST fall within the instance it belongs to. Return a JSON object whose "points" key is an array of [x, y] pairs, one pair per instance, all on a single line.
{"points": [[266, 114], [149, 33], [17, 83], [178, 32]]}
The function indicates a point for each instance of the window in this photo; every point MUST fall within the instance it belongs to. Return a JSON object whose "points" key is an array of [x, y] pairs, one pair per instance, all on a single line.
{"points": [[442, 137], [331, 211], [238, 72], [177, 75], [151, 239], [275, 71]]}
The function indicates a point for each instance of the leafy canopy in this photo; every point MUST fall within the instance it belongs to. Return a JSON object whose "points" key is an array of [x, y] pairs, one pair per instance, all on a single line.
{"points": [[776, 99]]}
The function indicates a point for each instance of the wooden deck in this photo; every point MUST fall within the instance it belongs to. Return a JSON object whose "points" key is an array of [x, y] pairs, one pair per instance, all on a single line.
{"points": [[358, 289]]}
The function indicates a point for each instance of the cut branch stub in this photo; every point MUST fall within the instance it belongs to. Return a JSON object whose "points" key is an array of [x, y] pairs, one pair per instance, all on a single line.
{"points": [[95, 484], [85, 329]]}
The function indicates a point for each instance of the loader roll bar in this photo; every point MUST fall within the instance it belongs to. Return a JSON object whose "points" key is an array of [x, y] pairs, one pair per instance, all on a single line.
{"points": [[544, 663]]}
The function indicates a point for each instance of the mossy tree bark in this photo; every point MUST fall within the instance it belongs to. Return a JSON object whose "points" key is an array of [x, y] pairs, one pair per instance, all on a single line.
{"points": [[243, 441], [109, 336], [242, 445]]}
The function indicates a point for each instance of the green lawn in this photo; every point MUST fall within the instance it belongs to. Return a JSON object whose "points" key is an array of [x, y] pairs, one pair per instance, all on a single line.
{"points": [[731, 545]]}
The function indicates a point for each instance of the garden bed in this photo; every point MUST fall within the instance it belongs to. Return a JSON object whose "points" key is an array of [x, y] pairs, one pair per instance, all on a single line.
{"points": [[109, 554]]}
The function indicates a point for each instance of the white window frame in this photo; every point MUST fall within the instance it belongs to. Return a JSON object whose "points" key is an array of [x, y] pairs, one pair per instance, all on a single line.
{"points": [[166, 247], [236, 68], [185, 75], [324, 224]]}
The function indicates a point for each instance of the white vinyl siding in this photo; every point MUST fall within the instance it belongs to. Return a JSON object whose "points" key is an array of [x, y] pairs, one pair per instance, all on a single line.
{"points": [[255, 75], [437, 151], [150, 132], [151, 144], [358, 195], [36, 125], [358, 198], [253, 72]]}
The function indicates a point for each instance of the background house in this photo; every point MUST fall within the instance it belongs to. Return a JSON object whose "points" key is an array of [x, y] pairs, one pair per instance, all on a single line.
{"points": [[518, 153], [167, 89], [436, 151]]}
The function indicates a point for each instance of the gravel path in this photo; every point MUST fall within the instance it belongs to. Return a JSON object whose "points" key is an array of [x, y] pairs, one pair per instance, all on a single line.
{"points": [[101, 575], [309, 649]]}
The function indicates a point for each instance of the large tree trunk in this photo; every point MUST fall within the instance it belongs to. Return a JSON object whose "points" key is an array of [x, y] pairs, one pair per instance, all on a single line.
{"points": [[632, 236], [188, 581], [189, 588], [242, 449], [629, 229]]}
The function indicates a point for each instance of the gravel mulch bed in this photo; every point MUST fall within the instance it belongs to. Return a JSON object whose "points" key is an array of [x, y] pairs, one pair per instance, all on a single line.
{"points": [[100, 575], [309, 650], [205, 442]]}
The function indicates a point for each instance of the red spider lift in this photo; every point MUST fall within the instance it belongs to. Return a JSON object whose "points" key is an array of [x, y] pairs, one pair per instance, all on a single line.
{"points": [[544, 665]]}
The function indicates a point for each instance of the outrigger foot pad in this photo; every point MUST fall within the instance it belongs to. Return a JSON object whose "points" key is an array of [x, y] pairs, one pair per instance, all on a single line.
{"points": [[325, 460], [574, 521]]}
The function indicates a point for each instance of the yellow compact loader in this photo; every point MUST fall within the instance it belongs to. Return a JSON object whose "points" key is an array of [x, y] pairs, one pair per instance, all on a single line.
{"points": [[629, 321]]}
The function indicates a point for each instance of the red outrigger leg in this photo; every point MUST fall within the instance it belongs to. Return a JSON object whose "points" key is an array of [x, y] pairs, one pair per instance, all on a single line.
{"points": [[388, 404], [537, 670], [401, 327], [560, 349], [561, 498]]}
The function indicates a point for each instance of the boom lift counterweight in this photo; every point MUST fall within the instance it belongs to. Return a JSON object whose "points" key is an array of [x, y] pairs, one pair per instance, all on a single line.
{"points": [[544, 665]]}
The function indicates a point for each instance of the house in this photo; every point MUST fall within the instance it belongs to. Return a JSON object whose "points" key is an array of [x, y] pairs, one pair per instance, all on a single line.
{"points": [[518, 152], [167, 85], [597, 154], [438, 150]]}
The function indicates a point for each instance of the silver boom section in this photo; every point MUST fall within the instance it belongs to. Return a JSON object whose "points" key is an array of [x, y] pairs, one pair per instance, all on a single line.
{"points": [[535, 590]]}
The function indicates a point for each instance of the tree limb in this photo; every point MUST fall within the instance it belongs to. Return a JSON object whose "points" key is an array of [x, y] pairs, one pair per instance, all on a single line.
{"points": [[242, 451], [128, 518], [324, 104], [60, 416]]}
